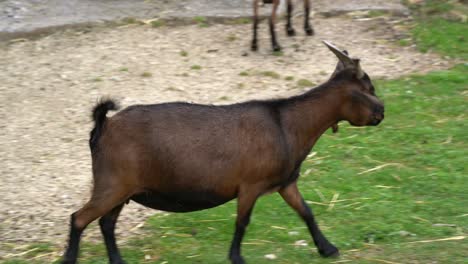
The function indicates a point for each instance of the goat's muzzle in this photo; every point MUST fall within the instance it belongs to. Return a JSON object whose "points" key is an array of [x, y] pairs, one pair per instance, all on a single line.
{"points": [[377, 116]]}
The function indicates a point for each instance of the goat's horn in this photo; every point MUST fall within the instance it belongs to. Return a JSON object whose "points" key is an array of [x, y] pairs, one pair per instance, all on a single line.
{"points": [[342, 56], [345, 59]]}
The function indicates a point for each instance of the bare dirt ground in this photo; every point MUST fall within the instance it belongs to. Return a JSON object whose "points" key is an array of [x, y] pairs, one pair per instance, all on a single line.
{"points": [[48, 87]]}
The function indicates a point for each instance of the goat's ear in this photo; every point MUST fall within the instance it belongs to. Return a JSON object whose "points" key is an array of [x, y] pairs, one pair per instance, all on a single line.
{"points": [[359, 71], [347, 61]]}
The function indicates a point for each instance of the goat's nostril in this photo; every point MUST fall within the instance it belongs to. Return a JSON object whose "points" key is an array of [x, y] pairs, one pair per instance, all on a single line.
{"points": [[379, 115]]}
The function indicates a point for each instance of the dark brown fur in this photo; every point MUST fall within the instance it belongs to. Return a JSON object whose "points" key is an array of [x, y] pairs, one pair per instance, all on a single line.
{"points": [[183, 157]]}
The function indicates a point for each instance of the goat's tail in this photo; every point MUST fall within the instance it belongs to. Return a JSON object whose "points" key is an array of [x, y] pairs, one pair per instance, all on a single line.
{"points": [[99, 117]]}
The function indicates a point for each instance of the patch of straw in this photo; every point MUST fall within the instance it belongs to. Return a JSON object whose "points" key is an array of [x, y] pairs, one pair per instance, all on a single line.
{"points": [[342, 261], [420, 219], [21, 254], [381, 261], [333, 201], [318, 203], [351, 204], [209, 220], [320, 194], [279, 227], [386, 187], [439, 240], [379, 167]]}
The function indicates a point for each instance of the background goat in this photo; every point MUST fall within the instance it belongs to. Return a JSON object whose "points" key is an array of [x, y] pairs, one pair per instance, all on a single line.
{"points": [[272, 21], [182, 157]]}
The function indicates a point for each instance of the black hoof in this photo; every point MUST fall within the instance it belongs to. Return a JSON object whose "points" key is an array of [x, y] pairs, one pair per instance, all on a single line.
{"points": [[276, 48], [309, 31], [254, 46], [237, 260], [117, 261], [329, 252], [291, 32]]}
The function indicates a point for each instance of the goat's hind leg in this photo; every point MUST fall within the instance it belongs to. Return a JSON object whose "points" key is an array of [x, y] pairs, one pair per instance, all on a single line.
{"points": [[107, 224], [274, 42], [254, 46], [98, 206], [307, 27], [292, 196], [289, 28]]}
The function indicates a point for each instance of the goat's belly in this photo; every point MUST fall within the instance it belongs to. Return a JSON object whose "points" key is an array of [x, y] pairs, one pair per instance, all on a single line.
{"points": [[180, 202]]}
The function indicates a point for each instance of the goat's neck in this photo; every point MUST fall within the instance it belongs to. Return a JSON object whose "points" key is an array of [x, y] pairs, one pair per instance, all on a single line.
{"points": [[308, 117]]}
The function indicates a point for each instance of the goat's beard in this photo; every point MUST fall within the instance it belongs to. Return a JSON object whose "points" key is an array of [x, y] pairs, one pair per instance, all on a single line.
{"points": [[335, 127]]}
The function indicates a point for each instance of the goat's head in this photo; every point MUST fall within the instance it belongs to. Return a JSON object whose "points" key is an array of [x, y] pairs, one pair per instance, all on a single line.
{"points": [[361, 106]]}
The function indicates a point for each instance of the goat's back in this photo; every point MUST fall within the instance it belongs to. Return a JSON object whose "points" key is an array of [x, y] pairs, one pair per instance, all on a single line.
{"points": [[181, 146]]}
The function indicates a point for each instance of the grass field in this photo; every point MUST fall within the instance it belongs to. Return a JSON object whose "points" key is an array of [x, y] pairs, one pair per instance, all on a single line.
{"points": [[386, 194]]}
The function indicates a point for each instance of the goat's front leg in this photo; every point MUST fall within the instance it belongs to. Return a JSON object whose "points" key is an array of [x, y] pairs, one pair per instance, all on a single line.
{"points": [[245, 203], [289, 29], [274, 43], [307, 27], [293, 197], [254, 46]]}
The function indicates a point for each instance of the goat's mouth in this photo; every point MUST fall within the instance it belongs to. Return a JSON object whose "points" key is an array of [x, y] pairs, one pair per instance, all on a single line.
{"points": [[376, 119], [335, 127]]}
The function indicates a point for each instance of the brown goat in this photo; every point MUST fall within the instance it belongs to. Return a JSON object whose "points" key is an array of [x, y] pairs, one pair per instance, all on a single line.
{"points": [[182, 157], [272, 21]]}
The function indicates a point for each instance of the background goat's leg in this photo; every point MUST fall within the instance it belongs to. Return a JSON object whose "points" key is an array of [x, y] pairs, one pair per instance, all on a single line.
{"points": [[96, 207], [307, 27], [294, 198], [289, 29], [107, 224], [245, 204], [254, 46], [274, 43]]}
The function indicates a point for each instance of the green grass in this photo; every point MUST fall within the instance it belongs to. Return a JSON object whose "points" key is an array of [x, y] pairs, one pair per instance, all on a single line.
{"points": [[441, 26], [240, 21], [146, 74], [305, 83], [231, 38], [244, 73], [270, 74], [376, 13], [201, 21], [432, 35], [158, 23], [278, 53]]}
